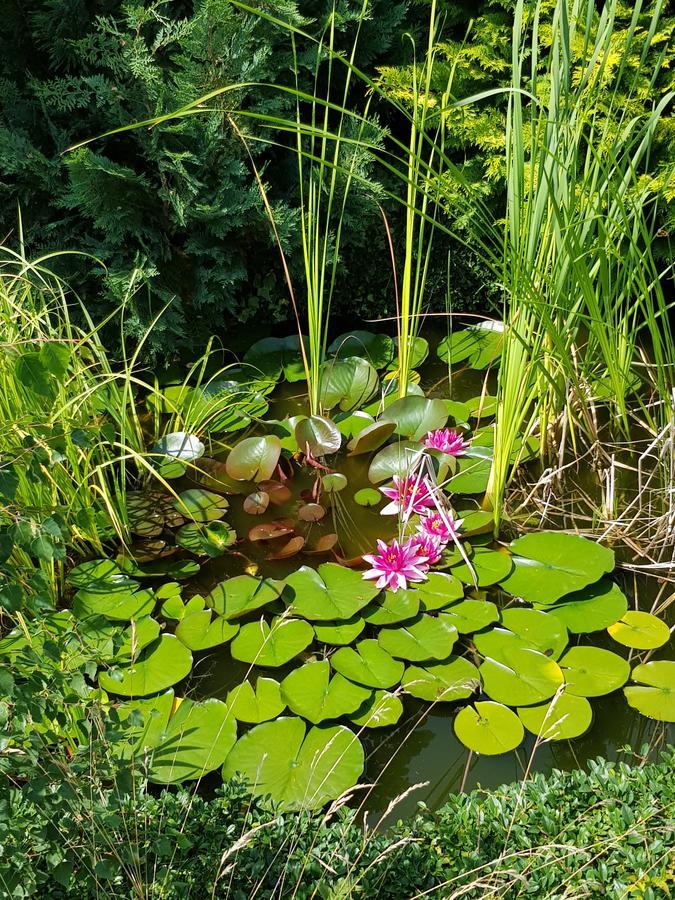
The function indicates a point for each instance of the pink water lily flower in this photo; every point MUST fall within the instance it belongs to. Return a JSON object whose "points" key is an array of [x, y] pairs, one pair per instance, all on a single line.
{"points": [[438, 526], [409, 495], [429, 546], [446, 440], [394, 565]]}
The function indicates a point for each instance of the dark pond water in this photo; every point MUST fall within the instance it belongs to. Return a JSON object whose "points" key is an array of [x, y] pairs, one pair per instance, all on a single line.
{"points": [[421, 750]]}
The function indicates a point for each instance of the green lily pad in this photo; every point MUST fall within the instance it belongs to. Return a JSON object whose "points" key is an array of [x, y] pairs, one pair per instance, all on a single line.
{"points": [[200, 505], [180, 445], [424, 639], [179, 569], [197, 740], [472, 475], [136, 637], [310, 692], [379, 710], [339, 633], [549, 564], [299, 769], [640, 630], [592, 608], [489, 728], [334, 482], [378, 349], [593, 672], [351, 424], [455, 679], [263, 645], [198, 632], [274, 355], [437, 592], [174, 608], [391, 608], [347, 383], [211, 539], [371, 438], [254, 458], [479, 345], [523, 628], [255, 705], [419, 350], [489, 566], [470, 615], [564, 717], [119, 605], [161, 665], [458, 412], [242, 594], [321, 436], [526, 677], [99, 576], [413, 417], [367, 663], [482, 407], [475, 521], [329, 593], [393, 460], [654, 695], [368, 497]]}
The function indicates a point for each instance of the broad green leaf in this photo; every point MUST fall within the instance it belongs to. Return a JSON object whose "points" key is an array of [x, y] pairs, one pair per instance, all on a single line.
{"points": [[31, 372], [419, 350], [200, 505], [379, 710], [351, 424], [592, 671], [413, 417], [310, 692], [523, 628], [55, 358], [367, 663], [562, 718], [489, 728], [479, 345], [640, 630], [654, 695], [334, 482], [318, 435], [471, 477], [300, 769], [437, 592], [329, 593], [136, 637], [275, 355], [371, 438], [347, 383], [100, 576], [119, 605], [394, 459], [242, 594], [254, 458], [549, 564], [425, 638], [470, 615], [592, 608], [255, 705], [271, 645], [161, 665], [368, 497], [489, 567], [455, 679], [378, 349], [526, 677], [339, 633], [210, 539], [390, 608], [180, 445], [198, 632]]}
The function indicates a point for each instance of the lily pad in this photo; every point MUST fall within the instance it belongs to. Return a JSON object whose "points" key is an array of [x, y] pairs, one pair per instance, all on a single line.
{"points": [[136, 637], [255, 705], [347, 383], [371, 438], [310, 692], [392, 608], [472, 475], [334, 482], [378, 349], [367, 663], [489, 566], [329, 593], [242, 594], [489, 728], [654, 695], [211, 539], [380, 710], [198, 632], [174, 608], [299, 769], [439, 590], [523, 628], [368, 497], [419, 350], [413, 417], [640, 630], [100, 576], [318, 435], [564, 717], [161, 665], [455, 679], [274, 355], [526, 677], [549, 564], [339, 633], [271, 645], [470, 615], [424, 639], [200, 505], [120, 606], [592, 608], [479, 345], [254, 458], [180, 445], [393, 460], [593, 672]]}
